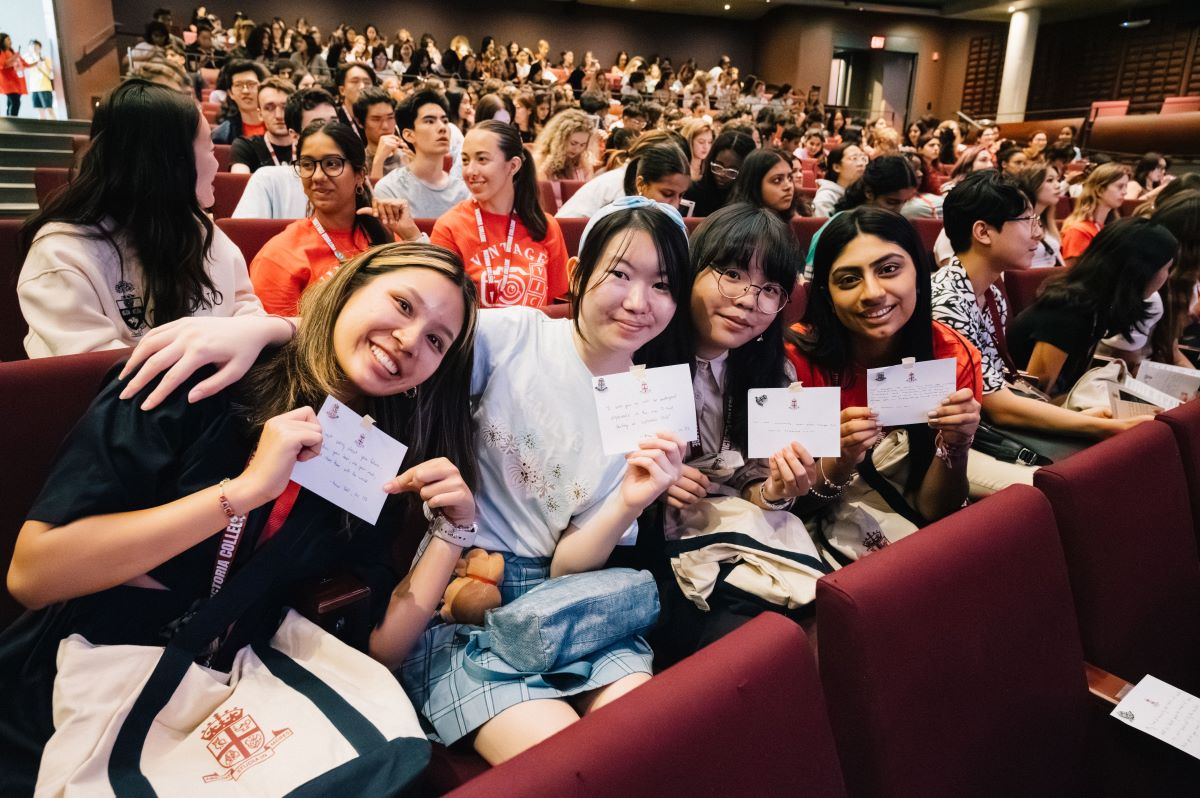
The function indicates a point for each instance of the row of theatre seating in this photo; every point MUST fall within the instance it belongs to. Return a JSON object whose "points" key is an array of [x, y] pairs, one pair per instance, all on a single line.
{"points": [[951, 663]]}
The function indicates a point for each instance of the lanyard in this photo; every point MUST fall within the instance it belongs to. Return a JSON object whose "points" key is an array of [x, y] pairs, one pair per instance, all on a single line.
{"points": [[231, 538], [328, 241], [274, 155], [487, 256], [726, 424]]}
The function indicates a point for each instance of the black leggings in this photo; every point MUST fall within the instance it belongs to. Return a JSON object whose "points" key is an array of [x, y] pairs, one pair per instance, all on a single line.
{"points": [[14, 104]]}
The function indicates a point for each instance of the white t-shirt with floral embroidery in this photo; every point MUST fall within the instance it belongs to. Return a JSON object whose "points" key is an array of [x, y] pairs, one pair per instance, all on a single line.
{"points": [[541, 463]]}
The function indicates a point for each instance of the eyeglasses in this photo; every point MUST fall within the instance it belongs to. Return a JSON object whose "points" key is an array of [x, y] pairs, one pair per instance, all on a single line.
{"points": [[733, 284], [857, 159], [331, 165], [246, 85], [722, 171], [1035, 222]]}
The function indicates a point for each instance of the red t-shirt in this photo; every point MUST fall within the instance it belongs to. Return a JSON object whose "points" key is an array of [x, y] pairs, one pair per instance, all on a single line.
{"points": [[946, 343], [296, 258], [537, 272], [250, 131], [1077, 238]]}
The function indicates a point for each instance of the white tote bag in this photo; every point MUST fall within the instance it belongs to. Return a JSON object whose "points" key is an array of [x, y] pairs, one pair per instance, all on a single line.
{"points": [[303, 715]]}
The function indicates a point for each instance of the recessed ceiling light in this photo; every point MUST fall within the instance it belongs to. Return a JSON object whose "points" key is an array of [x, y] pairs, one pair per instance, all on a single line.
{"points": [[727, 6]]}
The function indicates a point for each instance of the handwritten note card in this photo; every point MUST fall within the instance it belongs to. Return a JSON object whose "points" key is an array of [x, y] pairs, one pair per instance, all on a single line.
{"points": [[354, 463], [1175, 381], [1163, 711], [905, 394], [634, 405], [809, 416]]}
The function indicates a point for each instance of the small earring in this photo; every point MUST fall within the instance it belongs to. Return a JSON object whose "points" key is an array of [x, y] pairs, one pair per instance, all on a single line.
{"points": [[411, 393], [760, 338]]}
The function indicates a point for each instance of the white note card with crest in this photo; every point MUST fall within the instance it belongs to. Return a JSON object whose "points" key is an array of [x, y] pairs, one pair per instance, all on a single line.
{"points": [[808, 416], [906, 393], [634, 405], [356, 460], [1163, 711]]}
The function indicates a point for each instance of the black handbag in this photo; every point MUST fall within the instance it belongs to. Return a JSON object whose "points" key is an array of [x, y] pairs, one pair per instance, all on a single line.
{"points": [[1004, 447]]}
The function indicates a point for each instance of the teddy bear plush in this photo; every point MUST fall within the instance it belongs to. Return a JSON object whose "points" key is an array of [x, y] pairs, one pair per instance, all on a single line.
{"points": [[474, 589]]}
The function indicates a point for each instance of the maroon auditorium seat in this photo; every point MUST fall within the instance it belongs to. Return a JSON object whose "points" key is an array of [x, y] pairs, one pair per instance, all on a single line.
{"points": [[12, 323], [793, 311], [1125, 521], [251, 234], [46, 396], [805, 227], [548, 196], [227, 190], [572, 230], [1021, 288], [1063, 208], [222, 152], [928, 230], [1184, 421], [743, 716], [951, 659], [569, 187], [47, 180]]}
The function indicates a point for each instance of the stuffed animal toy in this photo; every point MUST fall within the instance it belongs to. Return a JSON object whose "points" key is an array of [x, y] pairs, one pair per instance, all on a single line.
{"points": [[474, 590]]}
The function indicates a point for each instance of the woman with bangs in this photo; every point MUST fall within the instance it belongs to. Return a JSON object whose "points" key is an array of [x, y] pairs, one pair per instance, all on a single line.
{"points": [[120, 544], [744, 266], [547, 499], [868, 307]]}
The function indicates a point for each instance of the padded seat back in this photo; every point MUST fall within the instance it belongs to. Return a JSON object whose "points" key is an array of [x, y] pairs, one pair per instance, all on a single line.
{"points": [[1021, 288], [1125, 521], [951, 659], [46, 397], [569, 187], [1184, 422], [743, 716], [12, 323], [251, 234], [928, 230], [47, 180], [223, 152], [227, 191], [804, 228]]}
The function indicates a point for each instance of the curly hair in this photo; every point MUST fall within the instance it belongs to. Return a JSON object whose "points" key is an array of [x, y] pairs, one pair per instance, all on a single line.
{"points": [[550, 148]]}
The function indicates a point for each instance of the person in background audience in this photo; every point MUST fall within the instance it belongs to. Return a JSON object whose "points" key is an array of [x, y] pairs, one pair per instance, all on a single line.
{"points": [[352, 80], [1036, 151], [659, 172], [844, 165], [699, 135], [276, 146], [306, 55], [239, 113], [124, 249], [561, 150], [1011, 160], [992, 228], [1106, 293], [1188, 181], [743, 269], [149, 493], [204, 55], [813, 148], [40, 82], [1179, 214], [1066, 139], [614, 183], [973, 159], [1101, 199], [1149, 177], [927, 202], [510, 247], [1040, 185], [868, 307], [765, 181], [276, 192], [721, 168], [152, 46], [423, 182], [375, 114], [346, 219]]}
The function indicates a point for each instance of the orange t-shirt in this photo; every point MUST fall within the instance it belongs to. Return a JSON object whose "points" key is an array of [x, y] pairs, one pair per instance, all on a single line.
{"points": [[946, 343], [537, 273], [250, 131], [296, 258], [1078, 237]]}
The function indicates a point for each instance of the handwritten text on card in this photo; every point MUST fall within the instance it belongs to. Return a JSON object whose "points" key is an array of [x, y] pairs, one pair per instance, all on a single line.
{"points": [[906, 393], [633, 406], [809, 416]]}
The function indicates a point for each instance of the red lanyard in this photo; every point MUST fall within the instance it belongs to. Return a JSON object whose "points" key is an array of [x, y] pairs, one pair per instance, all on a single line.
{"points": [[232, 536]]}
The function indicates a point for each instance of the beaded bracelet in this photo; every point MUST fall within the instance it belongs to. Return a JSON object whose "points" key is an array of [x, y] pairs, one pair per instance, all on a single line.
{"points": [[778, 504], [947, 453], [440, 527], [230, 513]]}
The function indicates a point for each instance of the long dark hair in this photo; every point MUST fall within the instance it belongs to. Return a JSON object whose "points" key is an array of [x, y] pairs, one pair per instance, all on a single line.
{"points": [[885, 174], [1181, 215], [674, 344], [655, 163], [748, 185], [526, 202], [144, 206], [827, 344], [354, 151], [1147, 164], [739, 141], [735, 236], [436, 422], [1109, 279]]}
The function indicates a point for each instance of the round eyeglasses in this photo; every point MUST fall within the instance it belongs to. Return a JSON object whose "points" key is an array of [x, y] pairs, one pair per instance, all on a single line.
{"points": [[331, 165], [735, 284]]}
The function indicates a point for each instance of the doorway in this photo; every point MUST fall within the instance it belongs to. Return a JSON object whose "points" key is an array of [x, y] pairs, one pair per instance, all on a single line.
{"points": [[873, 83]]}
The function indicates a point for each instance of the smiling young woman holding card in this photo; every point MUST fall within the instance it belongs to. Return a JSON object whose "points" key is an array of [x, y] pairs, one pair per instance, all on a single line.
{"points": [[549, 500], [869, 306], [122, 541]]}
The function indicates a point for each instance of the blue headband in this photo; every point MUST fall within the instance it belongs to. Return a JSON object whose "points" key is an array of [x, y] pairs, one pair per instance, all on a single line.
{"points": [[625, 203]]}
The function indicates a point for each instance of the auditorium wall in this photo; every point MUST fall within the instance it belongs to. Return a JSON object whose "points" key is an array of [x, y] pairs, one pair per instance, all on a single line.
{"points": [[564, 25]]}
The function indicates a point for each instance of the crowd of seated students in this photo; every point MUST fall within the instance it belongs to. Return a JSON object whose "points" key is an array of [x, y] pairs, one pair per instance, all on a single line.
{"points": [[352, 300]]}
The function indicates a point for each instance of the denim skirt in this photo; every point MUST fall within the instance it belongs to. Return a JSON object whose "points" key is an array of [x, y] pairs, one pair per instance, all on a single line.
{"points": [[453, 703]]}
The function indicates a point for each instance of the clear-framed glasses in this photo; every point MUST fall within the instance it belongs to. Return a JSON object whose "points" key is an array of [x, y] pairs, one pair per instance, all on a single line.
{"points": [[246, 85], [857, 159], [1035, 222], [735, 284], [331, 165], [723, 171]]}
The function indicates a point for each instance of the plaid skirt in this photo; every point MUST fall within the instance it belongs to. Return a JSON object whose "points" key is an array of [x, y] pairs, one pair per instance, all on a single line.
{"points": [[453, 703]]}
